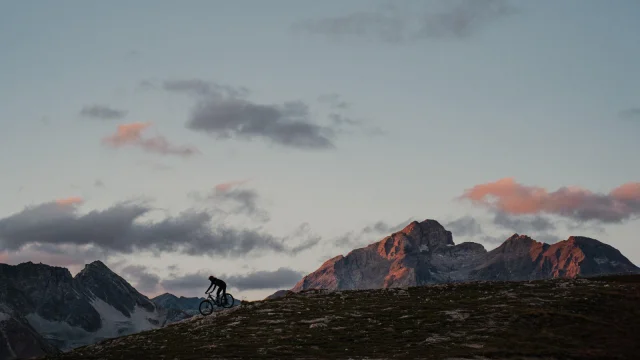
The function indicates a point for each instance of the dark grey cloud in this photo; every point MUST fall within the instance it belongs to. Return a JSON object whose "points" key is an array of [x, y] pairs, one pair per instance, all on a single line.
{"points": [[244, 201], [119, 229], [305, 237], [464, 226], [102, 112], [258, 280], [393, 24], [523, 224], [199, 87], [369, 234], [542, 237], [537, 227], [288, 124], [188, 282], [143, 280], [630, 114], [365, 24], [342, 122], [225, 112], [461, 19], [334, 100]]}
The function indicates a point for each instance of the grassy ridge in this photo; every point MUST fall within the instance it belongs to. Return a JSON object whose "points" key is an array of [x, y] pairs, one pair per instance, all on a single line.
{"points": [[552, 319]]}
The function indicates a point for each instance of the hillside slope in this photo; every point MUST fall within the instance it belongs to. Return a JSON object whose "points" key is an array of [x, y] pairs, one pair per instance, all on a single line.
{"points": [[594, 318]]}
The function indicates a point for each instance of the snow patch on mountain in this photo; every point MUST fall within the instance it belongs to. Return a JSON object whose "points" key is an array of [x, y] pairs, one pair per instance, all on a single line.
{"points": [[114, 324]]}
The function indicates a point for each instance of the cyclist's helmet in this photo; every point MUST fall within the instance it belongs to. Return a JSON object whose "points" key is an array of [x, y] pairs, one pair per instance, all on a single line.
{"points": [[211, 278]]}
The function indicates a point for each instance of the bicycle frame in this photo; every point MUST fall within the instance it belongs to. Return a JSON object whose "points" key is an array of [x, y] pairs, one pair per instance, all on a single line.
{"points": [[215, 301]]}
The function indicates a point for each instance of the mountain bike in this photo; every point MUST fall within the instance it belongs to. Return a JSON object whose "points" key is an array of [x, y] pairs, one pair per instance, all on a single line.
{"points": [[206, 305]]}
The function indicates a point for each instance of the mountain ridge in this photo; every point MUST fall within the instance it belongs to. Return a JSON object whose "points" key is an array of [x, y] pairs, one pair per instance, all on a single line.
{"points": [[44, 309], [424, 253]]}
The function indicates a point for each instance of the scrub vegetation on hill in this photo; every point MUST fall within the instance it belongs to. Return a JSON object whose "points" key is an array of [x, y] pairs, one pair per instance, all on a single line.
{"points": [[595, 318]]}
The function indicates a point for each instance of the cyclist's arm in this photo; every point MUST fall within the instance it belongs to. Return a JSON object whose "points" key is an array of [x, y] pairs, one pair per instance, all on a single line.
{"points": [[209, 288]]}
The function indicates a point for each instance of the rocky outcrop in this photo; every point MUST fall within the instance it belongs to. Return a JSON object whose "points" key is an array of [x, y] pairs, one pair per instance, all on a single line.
{"points": [[19, 340], [178, 308], [424, 253], [421, 253]]}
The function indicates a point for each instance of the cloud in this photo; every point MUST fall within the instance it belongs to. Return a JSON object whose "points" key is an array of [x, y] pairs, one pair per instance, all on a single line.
{"points": [[198, 87], [509, 197], [70, 201], [456, 19], [228, 185], [286, 124], [258, 280], [464, 226], [102, 112], [523, 224], [246, 202], [307, 239], [630, 114], [225, 112], [340, 120], [334, 100], [463, 19], [369, 234], [121, 229], [143, 280], [131, 135], [98, 183], [189, 282]]}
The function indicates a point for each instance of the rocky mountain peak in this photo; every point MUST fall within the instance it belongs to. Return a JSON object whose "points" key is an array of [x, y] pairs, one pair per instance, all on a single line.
{"points": [[99, 281], [416, 237], [96, 268], [424, 253]]}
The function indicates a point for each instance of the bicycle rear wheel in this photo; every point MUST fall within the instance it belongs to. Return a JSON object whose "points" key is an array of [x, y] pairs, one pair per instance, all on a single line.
{"points": [[229, 303], [206, 307]]}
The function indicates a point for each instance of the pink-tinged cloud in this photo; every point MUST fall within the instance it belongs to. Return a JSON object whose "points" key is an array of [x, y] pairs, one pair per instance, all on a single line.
{"points": [[70, 201], [131, 135], [508, 196], [228, 185]]}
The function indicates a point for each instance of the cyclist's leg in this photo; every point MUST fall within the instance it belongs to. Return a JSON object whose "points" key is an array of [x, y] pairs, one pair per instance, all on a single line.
{"points": [[218, 294]]}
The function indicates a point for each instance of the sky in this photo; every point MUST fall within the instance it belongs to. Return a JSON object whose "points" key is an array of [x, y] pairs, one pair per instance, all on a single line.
{"points": [[254, 140]]}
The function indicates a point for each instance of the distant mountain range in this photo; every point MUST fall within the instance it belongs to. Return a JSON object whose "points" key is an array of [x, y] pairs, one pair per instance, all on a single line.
{"points": [[424, 253], [45, 310]]}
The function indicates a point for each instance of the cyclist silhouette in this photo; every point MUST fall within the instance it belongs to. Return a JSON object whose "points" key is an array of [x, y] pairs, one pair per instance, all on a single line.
{"points": [[222, 287]]}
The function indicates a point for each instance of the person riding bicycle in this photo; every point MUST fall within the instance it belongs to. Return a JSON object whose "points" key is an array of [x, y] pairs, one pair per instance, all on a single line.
{"points": [[222, 287]]}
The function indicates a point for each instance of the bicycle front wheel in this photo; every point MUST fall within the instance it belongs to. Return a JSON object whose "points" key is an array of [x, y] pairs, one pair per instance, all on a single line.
{"points": [[206, 307], [229, 303]]}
